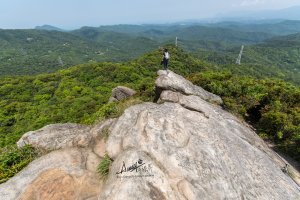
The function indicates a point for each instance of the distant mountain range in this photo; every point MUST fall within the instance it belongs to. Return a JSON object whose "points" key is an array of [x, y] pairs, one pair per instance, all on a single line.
{"points": [[48, 28]]}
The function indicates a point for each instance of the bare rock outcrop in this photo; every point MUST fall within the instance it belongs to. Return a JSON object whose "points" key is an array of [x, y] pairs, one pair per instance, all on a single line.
{"points": [[69, 171], [184, 147], [188, 155], [168, 80], [188, 148], [121, 92]]}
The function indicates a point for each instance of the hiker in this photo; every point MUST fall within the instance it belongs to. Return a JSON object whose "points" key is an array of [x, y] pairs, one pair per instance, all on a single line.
{"points": [[166, 57]]}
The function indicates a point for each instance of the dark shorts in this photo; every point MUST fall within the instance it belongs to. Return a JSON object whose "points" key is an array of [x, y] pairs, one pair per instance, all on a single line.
{"points": [[166, 62]]}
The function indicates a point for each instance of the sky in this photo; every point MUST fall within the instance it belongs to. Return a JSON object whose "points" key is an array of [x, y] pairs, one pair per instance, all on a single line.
{"points": [[70, 14]]}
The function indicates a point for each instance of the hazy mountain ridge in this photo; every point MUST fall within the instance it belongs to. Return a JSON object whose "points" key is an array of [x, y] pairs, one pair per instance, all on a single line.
{"points": [[121, 41], [47, 27], [188, 32], [278, 27]]}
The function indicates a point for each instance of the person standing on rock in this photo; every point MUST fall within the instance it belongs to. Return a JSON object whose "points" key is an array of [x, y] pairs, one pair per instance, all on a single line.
{"points": [[166, 57]]}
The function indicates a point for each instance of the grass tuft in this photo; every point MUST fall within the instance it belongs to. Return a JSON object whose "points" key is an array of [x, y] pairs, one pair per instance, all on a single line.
{"points": [[103, 167]]}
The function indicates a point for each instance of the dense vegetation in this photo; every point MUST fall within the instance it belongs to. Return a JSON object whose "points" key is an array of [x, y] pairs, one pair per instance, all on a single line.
{"points": [[271, 106], [277, 57], [13, 160]]}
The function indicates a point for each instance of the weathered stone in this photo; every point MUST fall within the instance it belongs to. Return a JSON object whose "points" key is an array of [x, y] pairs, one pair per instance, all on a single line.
{"points": [[168, 80], [193, 103], [92, 161], [67, 173], [57, 136], [61, 174], [56, 184], [121, 92], [99, 147], [202, 156]]}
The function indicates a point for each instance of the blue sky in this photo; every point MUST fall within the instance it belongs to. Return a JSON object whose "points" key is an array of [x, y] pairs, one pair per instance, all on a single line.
{"points": [[76, 13]]}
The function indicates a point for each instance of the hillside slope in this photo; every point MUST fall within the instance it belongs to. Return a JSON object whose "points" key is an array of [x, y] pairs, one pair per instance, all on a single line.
{"points": [[277, 57], [282, 51], [38, 51], [28, 52]]}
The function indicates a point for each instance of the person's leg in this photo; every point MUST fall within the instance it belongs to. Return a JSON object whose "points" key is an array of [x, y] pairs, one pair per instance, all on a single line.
{"points": [[165, 64]]}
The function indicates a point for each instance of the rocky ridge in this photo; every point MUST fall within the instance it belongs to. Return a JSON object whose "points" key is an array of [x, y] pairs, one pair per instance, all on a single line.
{"points": [[183, 147]]}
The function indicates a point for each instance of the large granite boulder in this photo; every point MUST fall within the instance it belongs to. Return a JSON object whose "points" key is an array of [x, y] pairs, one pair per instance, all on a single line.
{"points": [[168, 80], [69, 171], [198, 153]]}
